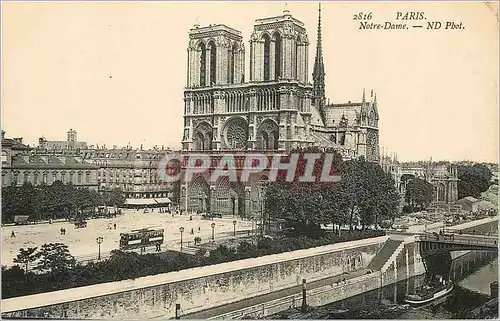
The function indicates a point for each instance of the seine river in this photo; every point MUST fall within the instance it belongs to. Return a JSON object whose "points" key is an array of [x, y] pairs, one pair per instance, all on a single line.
{"points": [[473, 274]]}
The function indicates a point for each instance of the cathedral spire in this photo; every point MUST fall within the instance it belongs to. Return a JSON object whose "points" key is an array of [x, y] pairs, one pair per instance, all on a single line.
{"points": [[319, 71]]}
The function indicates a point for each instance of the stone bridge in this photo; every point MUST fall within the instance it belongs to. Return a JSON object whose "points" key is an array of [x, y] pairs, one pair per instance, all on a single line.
{"points": [[432, 244]]}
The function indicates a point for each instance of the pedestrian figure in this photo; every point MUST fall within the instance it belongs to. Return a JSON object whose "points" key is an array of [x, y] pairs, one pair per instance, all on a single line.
{"points": [[199, 229], [114, 226], [192, 231], [12, 234], [191, 217], [61, 230]]}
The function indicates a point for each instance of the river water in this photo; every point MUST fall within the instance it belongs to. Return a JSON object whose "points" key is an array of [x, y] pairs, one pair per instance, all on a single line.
{"points": [[473, 273]]}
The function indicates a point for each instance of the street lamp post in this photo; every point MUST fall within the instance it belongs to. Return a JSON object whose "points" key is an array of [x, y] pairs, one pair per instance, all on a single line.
{"points": [[213, 226], [99, 241], [181, 229], [234, 230]]}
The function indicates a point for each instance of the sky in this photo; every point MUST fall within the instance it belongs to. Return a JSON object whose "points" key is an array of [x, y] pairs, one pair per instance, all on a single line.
{"points": [[115, 71]]}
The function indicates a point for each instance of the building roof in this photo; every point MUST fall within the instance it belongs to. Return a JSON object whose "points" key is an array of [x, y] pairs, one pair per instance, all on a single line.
{"points": [[50, 161], [316, 117], [15, 143], [468, 199], [335, 113], [300, 121], [485, 205]]}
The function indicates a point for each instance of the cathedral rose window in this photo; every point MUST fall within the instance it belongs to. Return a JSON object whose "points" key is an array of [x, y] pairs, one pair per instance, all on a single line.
{"points": [[237, 134]]}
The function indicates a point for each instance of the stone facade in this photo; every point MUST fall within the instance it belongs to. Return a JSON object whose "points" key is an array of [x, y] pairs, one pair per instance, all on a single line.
{"points": [[22, 164], [276, 110], [133, 170], [442, 175]]}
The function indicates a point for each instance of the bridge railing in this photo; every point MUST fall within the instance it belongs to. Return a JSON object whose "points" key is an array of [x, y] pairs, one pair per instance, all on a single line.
{"points": [[457, 239]]}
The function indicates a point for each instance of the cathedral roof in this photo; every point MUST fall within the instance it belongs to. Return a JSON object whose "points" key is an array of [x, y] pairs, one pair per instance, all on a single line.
{"points": [[316, 117], [300, 121], [322, 139], [335, 113]]}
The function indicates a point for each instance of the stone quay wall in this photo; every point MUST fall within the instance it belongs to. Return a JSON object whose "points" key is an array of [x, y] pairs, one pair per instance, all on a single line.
{"points": [[405, 263], [315, 297], [196, 289]]}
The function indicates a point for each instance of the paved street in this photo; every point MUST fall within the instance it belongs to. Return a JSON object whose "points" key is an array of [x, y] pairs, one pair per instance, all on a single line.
{"points": [[82, 242]]}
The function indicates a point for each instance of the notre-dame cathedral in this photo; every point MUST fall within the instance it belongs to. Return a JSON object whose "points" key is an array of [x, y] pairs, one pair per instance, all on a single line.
{"points": [[276, 109]]}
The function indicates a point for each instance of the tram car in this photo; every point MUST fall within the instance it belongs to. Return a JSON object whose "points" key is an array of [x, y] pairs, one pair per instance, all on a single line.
{"points": [[142, 238]]}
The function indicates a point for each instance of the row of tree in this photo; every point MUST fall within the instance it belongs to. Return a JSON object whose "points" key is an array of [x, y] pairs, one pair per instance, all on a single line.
{"points": [[365, 192], [54, 201]]}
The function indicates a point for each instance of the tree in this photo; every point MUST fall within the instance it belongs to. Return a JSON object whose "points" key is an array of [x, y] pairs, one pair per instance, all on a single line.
{"points": [[419, 193], [26, 257], [46, 202], [303, 204], [55, 258], [9, 203], [473, 180], [115, 197], [364, 190], [370, 192]]}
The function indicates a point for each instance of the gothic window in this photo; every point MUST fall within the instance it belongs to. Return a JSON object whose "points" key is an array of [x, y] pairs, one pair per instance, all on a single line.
{"points": [[203, 64], [267, 57], [35, 178], [232, 57], [296, 60], [14, 179], [213, 63], [251, 63], [27, 177], [237, 134], [44, 178], [277, 56], [203, 137], [342, 138], [267, 136], [80, 178]]}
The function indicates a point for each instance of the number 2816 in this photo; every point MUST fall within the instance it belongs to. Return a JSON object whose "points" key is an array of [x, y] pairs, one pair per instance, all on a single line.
{"points": [[362, 16]]}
